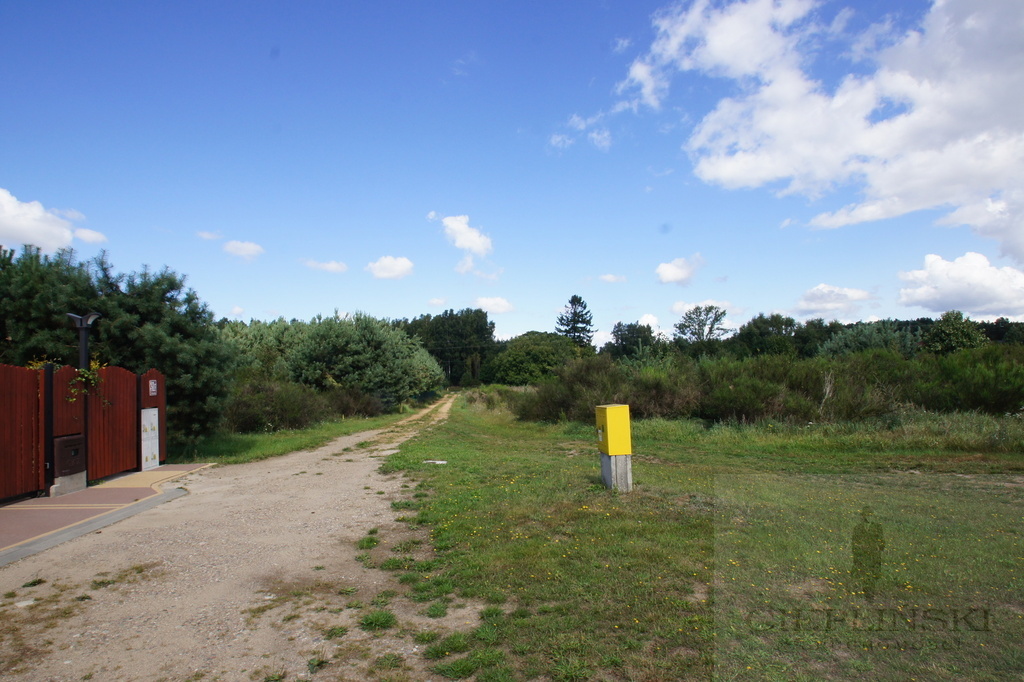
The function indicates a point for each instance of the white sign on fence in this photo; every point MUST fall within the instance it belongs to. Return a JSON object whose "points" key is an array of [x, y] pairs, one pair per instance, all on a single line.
{"points": [[150, 438]]}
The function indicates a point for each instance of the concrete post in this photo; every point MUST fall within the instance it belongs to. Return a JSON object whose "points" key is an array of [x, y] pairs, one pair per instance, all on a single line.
{"points": [[615, 442]]}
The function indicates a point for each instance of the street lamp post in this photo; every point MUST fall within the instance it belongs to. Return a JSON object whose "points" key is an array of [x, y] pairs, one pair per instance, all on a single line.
{"points": [[83, 323]]}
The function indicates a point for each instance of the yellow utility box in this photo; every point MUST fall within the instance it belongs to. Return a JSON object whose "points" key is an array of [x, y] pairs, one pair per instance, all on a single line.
{"points": [[613, 437]]}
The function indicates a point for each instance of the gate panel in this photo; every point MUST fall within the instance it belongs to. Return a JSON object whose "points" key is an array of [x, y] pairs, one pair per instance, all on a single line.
{"points": [[113, 424], [68, 403], [21, 453]]}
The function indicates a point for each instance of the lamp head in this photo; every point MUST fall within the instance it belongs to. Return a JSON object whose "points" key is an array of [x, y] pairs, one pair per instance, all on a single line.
{"points": [[84, 321]]}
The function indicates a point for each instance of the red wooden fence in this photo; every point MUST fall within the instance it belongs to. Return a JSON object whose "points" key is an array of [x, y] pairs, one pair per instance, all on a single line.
{"points": [[114, 438]]}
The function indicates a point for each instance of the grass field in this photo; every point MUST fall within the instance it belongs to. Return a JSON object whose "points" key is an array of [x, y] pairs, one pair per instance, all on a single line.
{"points": [[733, 558]]}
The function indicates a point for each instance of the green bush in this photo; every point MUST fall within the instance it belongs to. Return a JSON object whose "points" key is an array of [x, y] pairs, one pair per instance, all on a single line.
{"points": [[664, 389], [363, 354], [574, 391], [989, 378], [870, 384], [265, 405]]}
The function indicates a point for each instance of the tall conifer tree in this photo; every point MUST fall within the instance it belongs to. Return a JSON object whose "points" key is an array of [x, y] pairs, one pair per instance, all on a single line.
{"points": [[576, 322]]}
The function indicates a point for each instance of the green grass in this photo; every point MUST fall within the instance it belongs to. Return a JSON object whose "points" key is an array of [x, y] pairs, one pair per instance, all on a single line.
{"points": [[595, 583], [239, 448], [378, 620]]}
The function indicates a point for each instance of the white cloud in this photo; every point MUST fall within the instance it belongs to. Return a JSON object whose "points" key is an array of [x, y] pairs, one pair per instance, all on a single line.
{"points": [[612, 278], [560, 141], [28, 222], [469, 239], [620, 45], [680, 271], [930, 119], [329, 266], [68, 213], [602, 139], [969, 283], [390, 267], [246, 250], [90, 236], [209, 235], [827, 300], [465, 265], [652, 322], [494, 305], [464, 237], [437, 302], [237, 311]]}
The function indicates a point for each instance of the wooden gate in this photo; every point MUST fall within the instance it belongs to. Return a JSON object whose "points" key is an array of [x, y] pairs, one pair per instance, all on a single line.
{"points": [[38, 406], [21, 452]]}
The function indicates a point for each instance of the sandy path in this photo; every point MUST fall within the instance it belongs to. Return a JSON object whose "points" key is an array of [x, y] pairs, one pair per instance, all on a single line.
{"points": [[238, 580]]}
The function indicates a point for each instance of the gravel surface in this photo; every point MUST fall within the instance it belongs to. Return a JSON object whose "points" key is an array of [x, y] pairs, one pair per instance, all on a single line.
{"points": [[240, 579]]}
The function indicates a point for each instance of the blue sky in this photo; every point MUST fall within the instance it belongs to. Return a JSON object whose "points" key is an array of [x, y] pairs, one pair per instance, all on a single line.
{"points": [[849, 159]]}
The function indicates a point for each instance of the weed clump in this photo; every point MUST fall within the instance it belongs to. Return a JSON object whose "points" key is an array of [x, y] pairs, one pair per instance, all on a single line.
{"points": [[378, 620]]}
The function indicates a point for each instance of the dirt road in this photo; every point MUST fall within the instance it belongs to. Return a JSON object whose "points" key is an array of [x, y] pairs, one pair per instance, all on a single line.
{"points": [[244, 578]]}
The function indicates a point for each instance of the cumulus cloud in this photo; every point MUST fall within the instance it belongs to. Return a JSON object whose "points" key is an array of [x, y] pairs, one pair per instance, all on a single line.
{"points": [[464, 237], [237, 311], [612, 279], [679, 271], [469, 239], [494, 305], [328, 266], [826, 300], [437, 302], [969, 283], [246, 250], [28, 222], [928, 118], [390, 267]]}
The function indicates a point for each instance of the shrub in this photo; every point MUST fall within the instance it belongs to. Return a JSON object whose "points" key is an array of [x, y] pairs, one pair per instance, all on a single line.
{"points": [[350, 402], [267, 405], [664, 389], [989, 378], [574, 391]]}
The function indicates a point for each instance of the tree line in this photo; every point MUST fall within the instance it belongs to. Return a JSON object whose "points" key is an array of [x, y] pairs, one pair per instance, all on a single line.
{"points": [[263, 376]]}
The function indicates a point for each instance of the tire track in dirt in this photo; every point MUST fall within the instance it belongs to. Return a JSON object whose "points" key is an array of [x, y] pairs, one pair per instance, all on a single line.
{"points": [[241, 579]]}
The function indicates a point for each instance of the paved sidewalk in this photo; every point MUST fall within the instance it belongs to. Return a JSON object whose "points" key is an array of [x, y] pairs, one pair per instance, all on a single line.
{"points": [[33, 525]]}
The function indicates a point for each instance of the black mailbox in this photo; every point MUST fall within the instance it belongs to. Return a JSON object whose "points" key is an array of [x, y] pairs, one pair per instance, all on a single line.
{"points": [[68, 455]]}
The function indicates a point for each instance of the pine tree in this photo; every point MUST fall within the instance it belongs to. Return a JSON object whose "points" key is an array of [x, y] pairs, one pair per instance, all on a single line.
{"points": [[576, 322]]}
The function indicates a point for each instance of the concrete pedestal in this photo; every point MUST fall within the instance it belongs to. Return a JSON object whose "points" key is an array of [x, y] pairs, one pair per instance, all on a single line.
{"points": [[71, 483], [617, 472]]}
